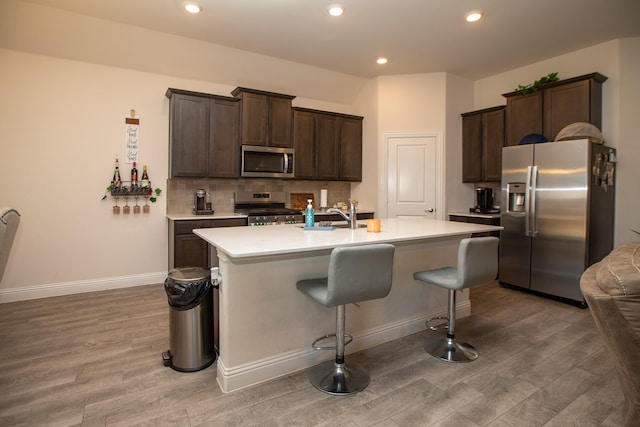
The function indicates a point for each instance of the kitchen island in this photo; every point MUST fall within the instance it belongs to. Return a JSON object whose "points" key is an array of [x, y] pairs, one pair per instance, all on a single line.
{"points": [[266, 325]]}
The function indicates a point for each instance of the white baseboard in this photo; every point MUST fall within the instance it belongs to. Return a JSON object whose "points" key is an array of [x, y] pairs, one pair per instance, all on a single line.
{"points": [[80, 286], [232, 379]]}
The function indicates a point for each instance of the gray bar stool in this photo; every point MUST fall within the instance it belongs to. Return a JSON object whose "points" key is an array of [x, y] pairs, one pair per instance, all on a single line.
{"points": [[477, 265], [356, 273]]}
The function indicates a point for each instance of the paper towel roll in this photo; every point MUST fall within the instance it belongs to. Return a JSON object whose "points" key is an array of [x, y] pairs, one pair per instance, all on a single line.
{"points": [[323, 198]]}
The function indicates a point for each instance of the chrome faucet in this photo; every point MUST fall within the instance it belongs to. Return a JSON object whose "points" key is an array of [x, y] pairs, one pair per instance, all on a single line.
{"points": [[351, 218]]}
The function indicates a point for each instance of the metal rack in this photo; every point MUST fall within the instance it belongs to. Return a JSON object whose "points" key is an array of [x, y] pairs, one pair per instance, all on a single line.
{"points": [[125, 190]]}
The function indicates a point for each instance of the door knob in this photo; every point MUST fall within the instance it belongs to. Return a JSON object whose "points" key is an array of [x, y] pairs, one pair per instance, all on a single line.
{"points": [[429, 210]]}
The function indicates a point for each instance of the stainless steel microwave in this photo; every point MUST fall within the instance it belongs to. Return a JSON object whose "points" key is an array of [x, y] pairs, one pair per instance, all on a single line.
{"points": [[267, 162]]}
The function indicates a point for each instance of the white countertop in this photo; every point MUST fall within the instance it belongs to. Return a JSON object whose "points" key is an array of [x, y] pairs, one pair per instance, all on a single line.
{"points": [[227, 215], [474, 214], [245, 242], [215, 215]]}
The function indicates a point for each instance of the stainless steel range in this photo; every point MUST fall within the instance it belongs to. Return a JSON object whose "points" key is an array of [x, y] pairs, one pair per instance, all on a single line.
{"points": [[266, 208]]}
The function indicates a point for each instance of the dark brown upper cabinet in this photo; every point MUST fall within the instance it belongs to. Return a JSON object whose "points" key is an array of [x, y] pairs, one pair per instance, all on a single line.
{"points": [[350, 148], [554, 106], [304, 125], [265, 117], [482, 142], [203, 135], [328, 145]]}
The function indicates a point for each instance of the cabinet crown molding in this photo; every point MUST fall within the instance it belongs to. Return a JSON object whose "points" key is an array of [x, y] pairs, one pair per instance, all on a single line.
{"points": [[331, 113], [240, 90], [600, 78], [172, 91], [484, 110]]}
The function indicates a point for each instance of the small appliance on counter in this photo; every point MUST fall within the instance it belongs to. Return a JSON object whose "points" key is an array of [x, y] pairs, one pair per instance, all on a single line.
{"points": [[484, 202], [201, 204]]}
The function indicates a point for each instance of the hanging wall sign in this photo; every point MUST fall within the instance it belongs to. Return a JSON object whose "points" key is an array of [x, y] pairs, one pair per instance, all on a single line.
{"points": [[132, 138]]}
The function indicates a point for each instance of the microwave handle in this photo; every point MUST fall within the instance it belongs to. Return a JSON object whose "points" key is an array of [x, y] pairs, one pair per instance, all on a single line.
{"points": [[286, 162]]}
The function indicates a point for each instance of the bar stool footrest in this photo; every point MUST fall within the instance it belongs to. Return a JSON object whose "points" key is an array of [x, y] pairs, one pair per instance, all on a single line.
{"points": [[439, 326], [348, 339]]}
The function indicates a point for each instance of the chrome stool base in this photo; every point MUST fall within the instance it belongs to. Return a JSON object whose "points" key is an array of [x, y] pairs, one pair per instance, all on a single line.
{"points": [[452, 351], [339, 378]]}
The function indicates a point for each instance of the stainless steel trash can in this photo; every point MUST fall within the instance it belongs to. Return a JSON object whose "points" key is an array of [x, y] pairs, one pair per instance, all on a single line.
{"points": [[191, 341]]}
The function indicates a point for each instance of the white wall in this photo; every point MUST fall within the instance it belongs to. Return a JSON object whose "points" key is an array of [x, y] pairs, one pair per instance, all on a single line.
{"points": [[415, 103], [408, 103], [366, 105], [619, 61], [48, 31], [460, 196], [65, 98], [628, 191]]}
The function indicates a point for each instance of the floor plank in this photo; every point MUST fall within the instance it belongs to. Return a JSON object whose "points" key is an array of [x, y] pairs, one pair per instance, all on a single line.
{"points": [[95, 360]]}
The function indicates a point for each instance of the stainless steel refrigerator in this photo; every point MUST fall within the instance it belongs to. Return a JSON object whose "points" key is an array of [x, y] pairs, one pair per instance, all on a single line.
{"points": [[557, 205]]}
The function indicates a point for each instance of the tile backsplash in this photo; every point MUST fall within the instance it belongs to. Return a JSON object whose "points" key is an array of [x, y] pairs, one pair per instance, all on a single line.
{"points": [[180, 191]]}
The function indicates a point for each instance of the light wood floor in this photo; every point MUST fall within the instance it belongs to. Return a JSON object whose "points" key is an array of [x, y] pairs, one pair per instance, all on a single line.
{"points": [[95, 359]]}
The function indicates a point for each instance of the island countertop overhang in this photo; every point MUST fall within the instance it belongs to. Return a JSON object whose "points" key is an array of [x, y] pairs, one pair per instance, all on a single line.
{"points": [[249, 242]]}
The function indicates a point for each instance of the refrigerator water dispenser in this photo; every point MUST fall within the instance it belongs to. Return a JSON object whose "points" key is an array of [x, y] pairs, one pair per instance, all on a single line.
{"points": [[516, 196]]}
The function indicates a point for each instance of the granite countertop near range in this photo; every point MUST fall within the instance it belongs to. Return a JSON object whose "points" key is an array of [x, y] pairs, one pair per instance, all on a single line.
{"points": [[475, 215], [228, 215], [215, 215]]}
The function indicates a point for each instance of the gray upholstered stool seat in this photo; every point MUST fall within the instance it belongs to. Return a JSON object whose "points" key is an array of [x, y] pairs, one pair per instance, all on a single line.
{"points": [[9, 221], [477, 265], [356, 273]]}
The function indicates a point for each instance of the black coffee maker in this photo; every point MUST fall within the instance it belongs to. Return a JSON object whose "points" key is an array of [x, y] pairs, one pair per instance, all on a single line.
{"points": [[201, 205], [484, 201]]}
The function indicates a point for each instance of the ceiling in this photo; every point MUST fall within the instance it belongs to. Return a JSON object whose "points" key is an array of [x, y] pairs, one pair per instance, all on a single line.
{"points": [[417, 36]]}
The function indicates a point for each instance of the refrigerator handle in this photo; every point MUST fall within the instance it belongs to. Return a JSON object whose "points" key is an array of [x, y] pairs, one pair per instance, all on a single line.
{"points": [[532, 206], [527, 204]]}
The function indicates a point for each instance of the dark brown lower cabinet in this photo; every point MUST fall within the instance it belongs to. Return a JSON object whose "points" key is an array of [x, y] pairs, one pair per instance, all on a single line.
{"points": [[335, 217], [477, 220], [188, 250]]}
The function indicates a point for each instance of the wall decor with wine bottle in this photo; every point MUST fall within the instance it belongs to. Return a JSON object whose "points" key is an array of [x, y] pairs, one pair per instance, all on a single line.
{"points": [[135, 188], [138, 186]]}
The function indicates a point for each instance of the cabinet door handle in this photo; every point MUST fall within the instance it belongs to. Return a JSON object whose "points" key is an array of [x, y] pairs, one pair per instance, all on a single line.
{"points": [[429, 210]]}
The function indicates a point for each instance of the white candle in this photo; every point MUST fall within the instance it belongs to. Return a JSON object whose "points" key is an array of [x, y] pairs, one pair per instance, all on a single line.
{"points": [[323, 198]]}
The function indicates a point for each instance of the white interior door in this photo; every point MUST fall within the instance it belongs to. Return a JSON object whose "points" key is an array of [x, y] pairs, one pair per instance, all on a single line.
{"points": [[414, 174]]}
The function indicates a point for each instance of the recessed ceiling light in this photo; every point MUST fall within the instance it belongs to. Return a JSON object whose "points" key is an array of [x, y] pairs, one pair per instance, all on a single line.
{"points": [[192, 7], [473, 16], [381, 60], [336, 10]]}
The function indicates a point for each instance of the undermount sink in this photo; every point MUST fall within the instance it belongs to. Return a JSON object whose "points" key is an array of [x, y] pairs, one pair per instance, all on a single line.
{"points": [[347, 225], [338, 226]]}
